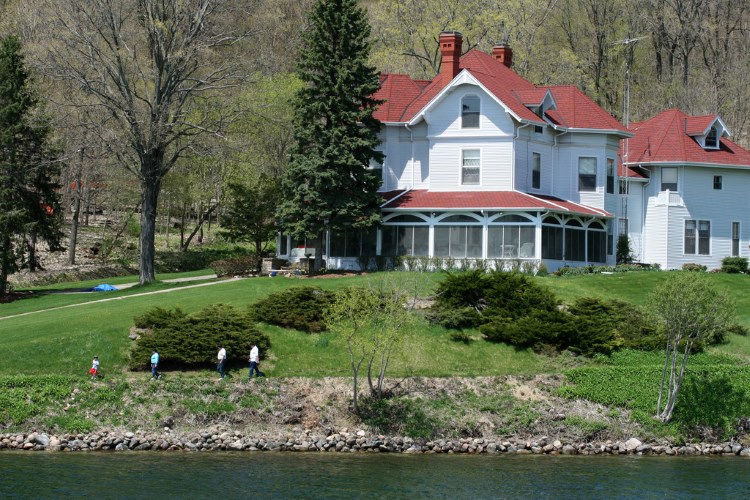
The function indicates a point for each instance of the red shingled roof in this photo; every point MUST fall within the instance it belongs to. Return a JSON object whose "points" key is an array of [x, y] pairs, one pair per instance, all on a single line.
{"points": [[405, 97], [665, 138], [421, 199]]}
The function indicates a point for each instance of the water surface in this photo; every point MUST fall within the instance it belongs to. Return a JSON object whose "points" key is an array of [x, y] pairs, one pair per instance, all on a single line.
{"points": [[317, 475]]}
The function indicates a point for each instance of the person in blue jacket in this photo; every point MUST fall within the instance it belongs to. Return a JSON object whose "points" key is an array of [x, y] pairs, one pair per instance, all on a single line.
{"points": [[154, 364]]}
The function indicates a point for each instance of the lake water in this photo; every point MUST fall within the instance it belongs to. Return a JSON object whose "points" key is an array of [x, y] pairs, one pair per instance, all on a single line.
{"points": [[316, 475]]}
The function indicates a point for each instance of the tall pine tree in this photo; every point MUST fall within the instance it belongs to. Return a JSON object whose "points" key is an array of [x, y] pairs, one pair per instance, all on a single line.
{"points": [[328, 185], [28, 202]]}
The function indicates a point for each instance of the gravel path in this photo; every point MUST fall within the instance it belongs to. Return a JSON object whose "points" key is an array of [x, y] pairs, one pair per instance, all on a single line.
{"points": [[120, 287]]}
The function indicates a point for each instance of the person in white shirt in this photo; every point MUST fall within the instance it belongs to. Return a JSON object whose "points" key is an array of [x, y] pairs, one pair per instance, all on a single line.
{"points": [[254, 360], [94, 371], [222, 356]]}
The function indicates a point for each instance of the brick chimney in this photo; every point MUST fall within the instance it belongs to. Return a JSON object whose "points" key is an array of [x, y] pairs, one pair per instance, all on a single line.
{"points": [[450, 49], [503, 53]]}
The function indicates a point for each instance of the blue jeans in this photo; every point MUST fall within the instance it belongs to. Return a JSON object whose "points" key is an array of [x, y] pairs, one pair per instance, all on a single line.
{"points": [[254, 366], [154, 373], [220, 368]]}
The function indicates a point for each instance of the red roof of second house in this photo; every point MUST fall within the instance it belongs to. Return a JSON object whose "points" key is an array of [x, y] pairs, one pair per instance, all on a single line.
{"points": [[666, 138], [405, 98], [422, 199]]}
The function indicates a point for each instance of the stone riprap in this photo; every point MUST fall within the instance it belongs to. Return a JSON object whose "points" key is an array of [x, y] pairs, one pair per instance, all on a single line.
{"points": [[345, 441]]}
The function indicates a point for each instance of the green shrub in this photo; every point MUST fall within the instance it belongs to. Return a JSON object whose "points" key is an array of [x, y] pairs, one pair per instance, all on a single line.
{"points": [[300, 308], [473, 298], [397, 416], [237, 266], [196, 258], [692, 266], [589, 326], [734, 265], [737, 329], [191, 340]]}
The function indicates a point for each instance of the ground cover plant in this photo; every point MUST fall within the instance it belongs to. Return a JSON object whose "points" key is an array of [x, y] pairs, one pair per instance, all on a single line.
{"points": [[714, 397]]}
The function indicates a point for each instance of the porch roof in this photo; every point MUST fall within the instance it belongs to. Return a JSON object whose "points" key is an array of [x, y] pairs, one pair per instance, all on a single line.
{"points": [[423, 199]]}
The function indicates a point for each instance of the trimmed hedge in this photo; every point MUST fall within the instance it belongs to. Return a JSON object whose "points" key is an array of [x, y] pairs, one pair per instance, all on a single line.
{"points": [[237, 266], [300, 308], [184, 340]]}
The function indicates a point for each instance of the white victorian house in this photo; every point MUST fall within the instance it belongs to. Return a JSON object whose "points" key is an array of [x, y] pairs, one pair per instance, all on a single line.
{"points": [[482, 164], [685, 191]]}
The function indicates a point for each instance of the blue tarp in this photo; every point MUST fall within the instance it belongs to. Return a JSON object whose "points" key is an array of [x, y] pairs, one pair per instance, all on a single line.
{"points": [[103, 288]]}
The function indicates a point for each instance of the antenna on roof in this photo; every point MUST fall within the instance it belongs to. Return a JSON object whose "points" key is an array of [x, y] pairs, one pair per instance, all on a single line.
{"points": [[629, 43]]}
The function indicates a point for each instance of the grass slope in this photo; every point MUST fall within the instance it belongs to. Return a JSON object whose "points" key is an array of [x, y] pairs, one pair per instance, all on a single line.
{"points": [[64, 340]]}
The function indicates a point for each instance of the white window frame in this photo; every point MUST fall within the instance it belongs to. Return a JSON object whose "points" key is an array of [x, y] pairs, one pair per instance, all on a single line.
{"points": [[696, 250], [478, 112], [464, 166], [718, 186], [611, 164], [677, 179], [596, 176], [736, 242]]}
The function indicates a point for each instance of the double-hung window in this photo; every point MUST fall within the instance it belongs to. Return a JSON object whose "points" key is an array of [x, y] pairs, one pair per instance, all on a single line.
{"points": [[669, 178], [587, 173], [470, 166], [697, 237], [611, 175]]}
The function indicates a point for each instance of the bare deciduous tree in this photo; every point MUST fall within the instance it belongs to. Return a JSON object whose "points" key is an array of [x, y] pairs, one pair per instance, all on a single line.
{"points": [[691, 310], [146, 65]]}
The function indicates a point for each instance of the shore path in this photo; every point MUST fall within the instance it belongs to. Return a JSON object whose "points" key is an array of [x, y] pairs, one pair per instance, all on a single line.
{"points": [[128, 285]]}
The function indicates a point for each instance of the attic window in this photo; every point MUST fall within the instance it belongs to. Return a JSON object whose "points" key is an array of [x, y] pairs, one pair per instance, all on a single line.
{"points": [[470, 112], [712, 139], [538, 129]]}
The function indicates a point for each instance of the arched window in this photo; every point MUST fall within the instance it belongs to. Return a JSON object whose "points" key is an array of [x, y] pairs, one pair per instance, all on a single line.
{"points": [[405, 219], [552, 239], [511, 236], [575, 241], [470, 112], [458, 236], [597, 242], [405, 235]]}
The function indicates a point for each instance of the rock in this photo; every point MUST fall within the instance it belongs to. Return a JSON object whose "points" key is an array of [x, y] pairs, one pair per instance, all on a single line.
{"points": [[632, 444], [42, 439], [557, 444], [745, 452], [361, 433], [568, 450]]}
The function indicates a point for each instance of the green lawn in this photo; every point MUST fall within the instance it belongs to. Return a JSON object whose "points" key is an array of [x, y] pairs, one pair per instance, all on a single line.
{"points": [[64, 340]]}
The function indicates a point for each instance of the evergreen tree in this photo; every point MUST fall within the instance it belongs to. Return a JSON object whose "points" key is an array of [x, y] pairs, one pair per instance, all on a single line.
{"points": [[328, 185], [28, 202], [250, 213]]}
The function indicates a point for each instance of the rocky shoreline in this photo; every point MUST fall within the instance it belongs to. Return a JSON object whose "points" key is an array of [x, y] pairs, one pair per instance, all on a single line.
{"points": [[348, 442]]}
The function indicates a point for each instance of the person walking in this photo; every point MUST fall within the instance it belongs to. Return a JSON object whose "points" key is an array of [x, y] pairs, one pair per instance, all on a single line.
{"points": [[154, 364], [94, 371], [254, 360], [222, 357]]}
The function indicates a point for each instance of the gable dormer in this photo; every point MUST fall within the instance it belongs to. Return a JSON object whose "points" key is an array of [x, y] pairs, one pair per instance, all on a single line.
{"points": [[538, 100], [706, 130]]}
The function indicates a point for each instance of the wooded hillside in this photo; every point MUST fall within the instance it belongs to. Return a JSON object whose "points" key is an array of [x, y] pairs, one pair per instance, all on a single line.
{"points": [[691, 54]]}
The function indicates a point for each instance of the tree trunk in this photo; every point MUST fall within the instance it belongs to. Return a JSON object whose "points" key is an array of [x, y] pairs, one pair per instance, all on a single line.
{"points": [[150, 188], [76, 213], [33, 264], [5, 262], [318, 263], [202, 219]]}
